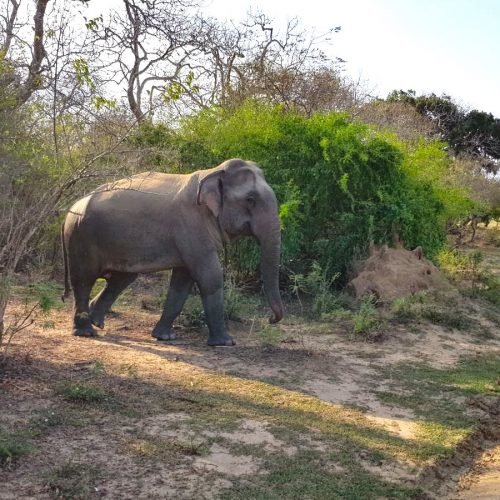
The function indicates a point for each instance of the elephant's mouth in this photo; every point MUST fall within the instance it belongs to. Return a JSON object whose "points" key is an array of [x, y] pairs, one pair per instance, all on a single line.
{"points": [[247, 229], [243, 230]]}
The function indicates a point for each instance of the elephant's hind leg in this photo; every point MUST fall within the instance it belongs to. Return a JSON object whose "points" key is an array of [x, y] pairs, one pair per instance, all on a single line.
{"points": [[82, 325], [101, 304], [181, 284]]}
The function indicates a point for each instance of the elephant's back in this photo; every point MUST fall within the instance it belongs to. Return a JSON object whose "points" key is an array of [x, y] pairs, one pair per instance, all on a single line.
{"points": [[145, 183], [141, 200], [137, 195]]}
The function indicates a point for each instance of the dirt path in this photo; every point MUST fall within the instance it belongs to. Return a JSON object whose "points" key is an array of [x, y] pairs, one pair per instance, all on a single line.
{"points": [[482, 482]]}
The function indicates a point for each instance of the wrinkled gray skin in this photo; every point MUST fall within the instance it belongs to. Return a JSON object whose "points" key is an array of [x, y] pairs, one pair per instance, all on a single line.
{"points": [[155, 221]]}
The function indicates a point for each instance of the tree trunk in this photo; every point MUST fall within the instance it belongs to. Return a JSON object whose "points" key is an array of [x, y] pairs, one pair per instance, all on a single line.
{"points": [[34, 79]]}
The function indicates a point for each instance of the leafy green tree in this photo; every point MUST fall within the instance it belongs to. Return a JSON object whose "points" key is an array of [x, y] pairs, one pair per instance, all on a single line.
{"points": [[340, 184], [475, 133]]}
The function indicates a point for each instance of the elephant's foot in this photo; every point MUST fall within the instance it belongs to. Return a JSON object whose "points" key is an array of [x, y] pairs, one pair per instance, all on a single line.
{"points": [[161, 332], [82, 325], [84, 331], [97, 318], [225, 340]]}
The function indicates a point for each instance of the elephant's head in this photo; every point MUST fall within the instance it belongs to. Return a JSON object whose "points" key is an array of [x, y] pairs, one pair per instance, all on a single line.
{"points": [[244, 204]]}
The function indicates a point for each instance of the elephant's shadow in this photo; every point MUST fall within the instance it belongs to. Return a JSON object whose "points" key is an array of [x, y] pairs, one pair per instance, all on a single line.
{"points": [[190, 347], [247, 359]]}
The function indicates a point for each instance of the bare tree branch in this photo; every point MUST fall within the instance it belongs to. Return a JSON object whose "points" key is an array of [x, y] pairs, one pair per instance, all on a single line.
{"points": [[9, 26]]}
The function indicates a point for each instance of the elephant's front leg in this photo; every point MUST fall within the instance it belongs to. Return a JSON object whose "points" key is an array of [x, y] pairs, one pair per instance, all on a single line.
{"points": [[211, 283], [213, 304], [181, 284]]}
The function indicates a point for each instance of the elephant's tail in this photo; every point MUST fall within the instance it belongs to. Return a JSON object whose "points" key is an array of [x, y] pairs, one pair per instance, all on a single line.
{"points": [[67, 287]]}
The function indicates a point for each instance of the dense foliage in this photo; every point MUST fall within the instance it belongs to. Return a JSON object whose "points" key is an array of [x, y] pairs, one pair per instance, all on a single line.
{"points": [[340, 184], [472, 132]]}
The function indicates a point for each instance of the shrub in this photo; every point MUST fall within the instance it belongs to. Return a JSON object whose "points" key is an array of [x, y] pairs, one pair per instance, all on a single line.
{"points": [[237, 305], [269, 335], [403, 310], [457, 265], [317, 284], [461, 266], [366, 321], [39, 298], [339, 183], [486, 287]]}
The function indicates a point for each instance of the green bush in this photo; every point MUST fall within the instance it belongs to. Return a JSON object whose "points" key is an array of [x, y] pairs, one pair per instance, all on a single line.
{"points": [[340, 184], [318, 288], [193, 314], [366, 321], [237, 304], [458, 265]]}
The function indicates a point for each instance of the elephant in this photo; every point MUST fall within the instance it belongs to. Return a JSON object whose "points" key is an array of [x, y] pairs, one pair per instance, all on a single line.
{"points": [[156, 221]]}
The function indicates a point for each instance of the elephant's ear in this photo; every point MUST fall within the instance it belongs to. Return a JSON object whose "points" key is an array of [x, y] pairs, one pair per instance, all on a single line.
{"points": [[210, 192]]}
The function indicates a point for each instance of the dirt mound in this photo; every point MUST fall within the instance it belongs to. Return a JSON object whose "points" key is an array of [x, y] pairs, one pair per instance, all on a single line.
{"points": [[390, 273]]}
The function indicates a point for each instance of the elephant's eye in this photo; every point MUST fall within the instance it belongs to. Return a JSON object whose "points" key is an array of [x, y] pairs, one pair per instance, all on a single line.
{"points": [[251, 201]]}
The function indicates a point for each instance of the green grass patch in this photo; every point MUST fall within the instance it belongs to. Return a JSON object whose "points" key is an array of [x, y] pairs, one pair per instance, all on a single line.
{"points": [[148, 447], [13, 445], [314, 474], [48, 420], [16, 444], [336, 426], [73, 480], [486, 288], [81, 392], [366, 321], [436, 308], [450, 318], [438, 395]]}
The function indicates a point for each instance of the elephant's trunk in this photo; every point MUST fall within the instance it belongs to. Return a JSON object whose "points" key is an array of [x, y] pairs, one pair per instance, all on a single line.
{"points": [[270, 243]]}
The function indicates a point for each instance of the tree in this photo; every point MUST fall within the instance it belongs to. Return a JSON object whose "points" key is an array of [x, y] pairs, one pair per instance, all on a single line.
{"points": [[474, 133], [287, 68], [400, 118], [48, 95], [24, 78], [151, 46]]}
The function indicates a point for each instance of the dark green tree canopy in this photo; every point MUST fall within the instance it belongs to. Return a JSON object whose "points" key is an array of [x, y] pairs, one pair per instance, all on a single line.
{"points": [[473, 132]]}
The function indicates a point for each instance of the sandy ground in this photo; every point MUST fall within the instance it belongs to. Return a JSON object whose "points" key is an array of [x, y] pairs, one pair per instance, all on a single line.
{"points": [[327, 366], [482, 482], [146, 445]]}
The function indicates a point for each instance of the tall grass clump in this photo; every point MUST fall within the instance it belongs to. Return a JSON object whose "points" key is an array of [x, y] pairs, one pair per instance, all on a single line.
{"points": [[317, 287]]}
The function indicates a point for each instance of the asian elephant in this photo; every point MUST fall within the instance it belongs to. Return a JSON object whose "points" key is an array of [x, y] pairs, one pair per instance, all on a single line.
{"points": [[155, 221]]}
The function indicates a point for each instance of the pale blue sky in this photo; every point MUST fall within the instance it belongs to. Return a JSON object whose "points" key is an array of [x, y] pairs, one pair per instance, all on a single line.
{"points": [[450, 46]]}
